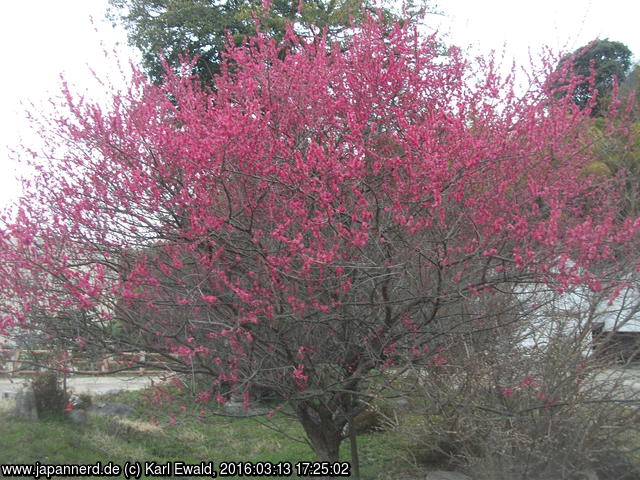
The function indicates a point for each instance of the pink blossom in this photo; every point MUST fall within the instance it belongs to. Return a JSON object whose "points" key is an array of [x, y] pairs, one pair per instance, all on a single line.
{"points": [[507, 392]]}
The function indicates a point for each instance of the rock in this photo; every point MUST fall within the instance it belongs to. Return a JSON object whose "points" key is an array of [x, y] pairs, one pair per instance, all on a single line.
{"points": [[591, 475], [114, 409], [25, 408], [78, 416], [263, 394], [442, 475], [237, 409], [234, 407]]}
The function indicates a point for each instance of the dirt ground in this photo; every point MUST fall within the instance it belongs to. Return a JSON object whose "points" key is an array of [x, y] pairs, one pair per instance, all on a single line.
{"points": [[97, 385], [90, 385]]}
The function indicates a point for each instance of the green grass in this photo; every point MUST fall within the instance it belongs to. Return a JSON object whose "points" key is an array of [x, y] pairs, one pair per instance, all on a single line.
{"points": [[190, 439]]}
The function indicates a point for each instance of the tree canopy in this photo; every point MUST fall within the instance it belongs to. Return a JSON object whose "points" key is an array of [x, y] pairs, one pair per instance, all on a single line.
{"points": [[608, 60], [203, 28]]}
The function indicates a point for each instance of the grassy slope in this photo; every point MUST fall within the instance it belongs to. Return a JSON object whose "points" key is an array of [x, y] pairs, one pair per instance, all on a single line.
{"points": [[217, 438]]}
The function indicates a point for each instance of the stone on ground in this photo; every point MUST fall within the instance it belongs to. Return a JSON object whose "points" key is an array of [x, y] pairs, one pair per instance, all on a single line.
{"points": [[25, 408], [78, 416], [442, 475], [114, 409]]}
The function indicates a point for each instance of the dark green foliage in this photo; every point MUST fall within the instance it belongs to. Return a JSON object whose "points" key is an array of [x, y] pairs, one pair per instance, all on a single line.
{"points": [[203, 27], [610, 60], [51, 398], [83, 401], [376, 417]]}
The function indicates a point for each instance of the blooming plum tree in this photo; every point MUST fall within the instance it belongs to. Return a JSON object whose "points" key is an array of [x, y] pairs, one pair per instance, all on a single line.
{"points": [[308, 223]]}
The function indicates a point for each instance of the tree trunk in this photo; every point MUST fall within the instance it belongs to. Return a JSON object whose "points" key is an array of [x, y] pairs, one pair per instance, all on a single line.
{"points": [[326, 452], [323, 434]]}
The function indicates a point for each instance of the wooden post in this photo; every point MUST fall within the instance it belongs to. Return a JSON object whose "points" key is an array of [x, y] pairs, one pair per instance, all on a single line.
{"points": [[15, 362], [143, 359], [105, 365], [353, 443]]}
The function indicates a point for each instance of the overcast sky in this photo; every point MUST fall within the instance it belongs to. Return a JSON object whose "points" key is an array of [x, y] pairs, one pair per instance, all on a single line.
{"points": [[39, 39], [563, 25]]}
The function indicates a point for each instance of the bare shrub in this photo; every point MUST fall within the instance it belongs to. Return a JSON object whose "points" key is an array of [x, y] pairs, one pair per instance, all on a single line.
{"points": [[524, 398]]}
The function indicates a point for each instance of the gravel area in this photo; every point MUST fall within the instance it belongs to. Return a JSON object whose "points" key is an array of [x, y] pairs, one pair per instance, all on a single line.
{"points": [[90, 385]]}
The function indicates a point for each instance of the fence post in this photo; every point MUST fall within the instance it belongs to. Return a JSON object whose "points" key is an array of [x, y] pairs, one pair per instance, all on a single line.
{"points": [[143, 359], [15, 362], [105, 365]]}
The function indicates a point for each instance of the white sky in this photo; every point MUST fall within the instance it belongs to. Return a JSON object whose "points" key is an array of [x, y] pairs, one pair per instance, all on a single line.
{"points": [[563, 25], [39, 39]]}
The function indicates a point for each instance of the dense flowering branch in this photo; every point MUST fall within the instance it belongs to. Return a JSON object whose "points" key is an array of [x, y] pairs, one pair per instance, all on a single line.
{"points": [[310, 221]]}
